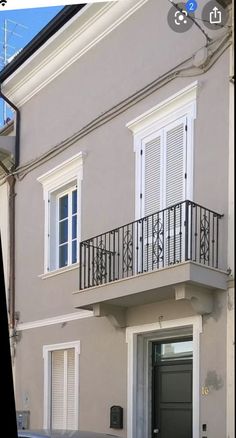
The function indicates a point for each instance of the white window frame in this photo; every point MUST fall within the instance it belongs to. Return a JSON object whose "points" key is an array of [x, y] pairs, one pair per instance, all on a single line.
{"points": [[47, 356], [182, 104], [138, 339], [69, 241], [67, 174]]}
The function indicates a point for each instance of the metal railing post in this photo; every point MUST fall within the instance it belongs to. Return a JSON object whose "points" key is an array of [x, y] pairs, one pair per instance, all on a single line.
{"points": [[80, 265], [186, 230]]}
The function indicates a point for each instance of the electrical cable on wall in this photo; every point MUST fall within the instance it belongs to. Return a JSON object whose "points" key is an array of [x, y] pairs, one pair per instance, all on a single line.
{"points": [[177, 72]]}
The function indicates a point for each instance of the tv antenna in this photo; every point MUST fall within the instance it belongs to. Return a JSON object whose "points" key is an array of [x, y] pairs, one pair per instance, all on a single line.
{"points": [[9, 51]]}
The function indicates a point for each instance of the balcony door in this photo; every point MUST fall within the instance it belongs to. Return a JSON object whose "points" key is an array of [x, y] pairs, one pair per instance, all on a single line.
{"points": [[163, 170]]}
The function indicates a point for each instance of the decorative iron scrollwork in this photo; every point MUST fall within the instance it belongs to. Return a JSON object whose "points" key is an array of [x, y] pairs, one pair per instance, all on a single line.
{"points": [[158, 242], [204, 238], [184, 231], [128, 251], [99, 263]]}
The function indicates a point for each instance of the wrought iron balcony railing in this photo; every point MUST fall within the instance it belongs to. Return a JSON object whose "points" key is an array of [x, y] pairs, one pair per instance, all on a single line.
{"points": [[184, 231]]}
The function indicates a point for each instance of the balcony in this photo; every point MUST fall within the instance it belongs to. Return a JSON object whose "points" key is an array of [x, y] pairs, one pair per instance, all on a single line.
{"points": [[153, 255]]}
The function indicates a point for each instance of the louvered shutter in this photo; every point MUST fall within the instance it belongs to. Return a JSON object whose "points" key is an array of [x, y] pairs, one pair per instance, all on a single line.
{"points": [[163, 185], [63, 413], [151, 199], [57, 390], [152, 175], [174, 139], [174, 151], [71, 389]]}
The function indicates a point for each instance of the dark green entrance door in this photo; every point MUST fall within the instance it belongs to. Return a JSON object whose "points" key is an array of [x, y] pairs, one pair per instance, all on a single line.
{"points": [[172, 390]]}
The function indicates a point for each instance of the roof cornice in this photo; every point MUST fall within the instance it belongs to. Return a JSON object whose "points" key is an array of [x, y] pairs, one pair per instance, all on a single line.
{"points": [[82, 32], [50, 29]]}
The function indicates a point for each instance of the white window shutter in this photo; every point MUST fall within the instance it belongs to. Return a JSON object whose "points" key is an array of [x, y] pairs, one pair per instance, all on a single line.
{"points": [[174, 145], [152, 195], [63, 415], [174, 150], [71, 414], [57, 390], [162, 181], [152, 175]]}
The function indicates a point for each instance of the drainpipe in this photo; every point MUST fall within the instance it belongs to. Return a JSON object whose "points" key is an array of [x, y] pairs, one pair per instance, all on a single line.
{"points": [[11, 182]]}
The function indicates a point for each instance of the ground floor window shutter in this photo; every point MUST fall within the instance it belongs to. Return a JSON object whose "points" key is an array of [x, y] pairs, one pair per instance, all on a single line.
{"points": [[71, 389], [63, 389]]}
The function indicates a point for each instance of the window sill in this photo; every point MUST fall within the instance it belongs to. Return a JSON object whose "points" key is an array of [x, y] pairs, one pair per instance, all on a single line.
{"points": [[59, 271]]}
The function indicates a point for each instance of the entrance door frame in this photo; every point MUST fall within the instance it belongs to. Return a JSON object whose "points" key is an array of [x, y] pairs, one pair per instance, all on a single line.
{"points": [[139, 340]]}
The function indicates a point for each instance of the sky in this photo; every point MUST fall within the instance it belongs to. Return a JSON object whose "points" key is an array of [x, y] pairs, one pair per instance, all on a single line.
{"points": [[27, 23]]}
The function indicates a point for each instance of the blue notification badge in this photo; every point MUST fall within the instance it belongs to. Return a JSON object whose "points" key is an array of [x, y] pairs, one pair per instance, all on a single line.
{"points": [[191, 6]]}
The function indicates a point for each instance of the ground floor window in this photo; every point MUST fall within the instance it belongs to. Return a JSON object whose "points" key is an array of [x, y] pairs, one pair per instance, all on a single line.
{"points": [[61, 390]]}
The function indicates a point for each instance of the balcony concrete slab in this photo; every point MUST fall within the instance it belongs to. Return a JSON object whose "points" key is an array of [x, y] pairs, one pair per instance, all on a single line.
{"points": [[151, 286]]}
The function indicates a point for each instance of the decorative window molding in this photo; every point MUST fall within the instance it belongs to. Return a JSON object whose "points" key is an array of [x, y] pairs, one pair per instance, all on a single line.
{"points": [[47, 356], [154, 122], [179, 101], [63, 173], [63, 179]]}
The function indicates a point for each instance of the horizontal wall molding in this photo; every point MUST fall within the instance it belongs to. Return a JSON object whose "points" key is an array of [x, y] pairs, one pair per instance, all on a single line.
{"points": [[54, 320]]}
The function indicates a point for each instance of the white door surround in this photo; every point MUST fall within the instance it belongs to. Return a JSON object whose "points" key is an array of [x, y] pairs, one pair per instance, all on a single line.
{"points": [[139, 340]]}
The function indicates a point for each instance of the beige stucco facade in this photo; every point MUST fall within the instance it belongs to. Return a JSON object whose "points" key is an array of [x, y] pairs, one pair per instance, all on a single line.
{"points": [[86, 108], [4, 227]]}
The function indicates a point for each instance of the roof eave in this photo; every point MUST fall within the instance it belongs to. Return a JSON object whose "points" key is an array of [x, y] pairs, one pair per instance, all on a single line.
{"points": [[47, 32]]}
